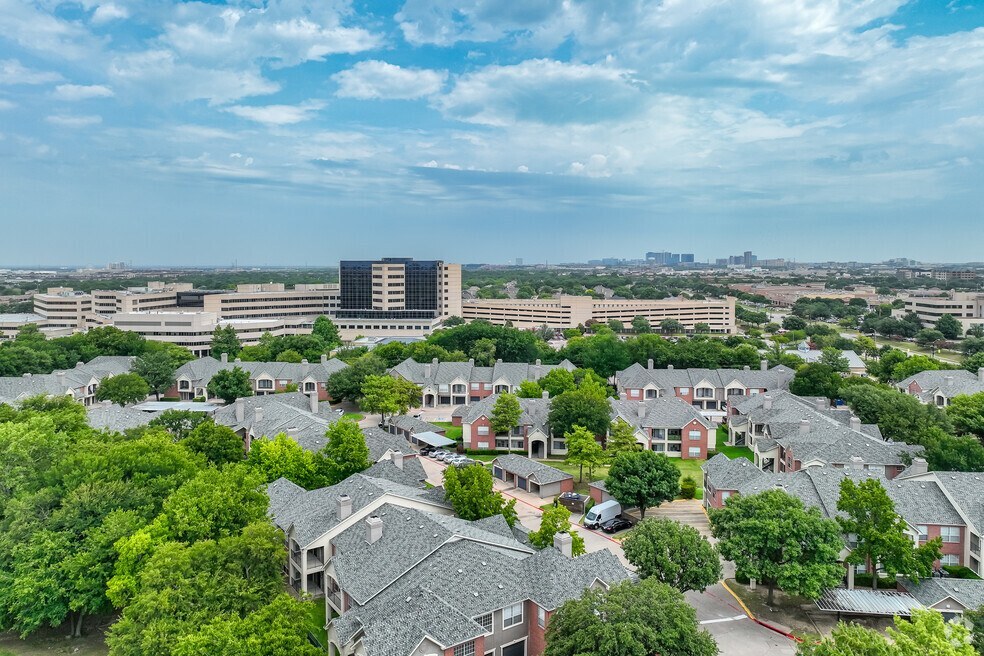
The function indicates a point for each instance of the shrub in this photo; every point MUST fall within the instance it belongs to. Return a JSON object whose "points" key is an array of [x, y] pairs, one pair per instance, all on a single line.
{"points": [[960, 572], [688, 487], [198, 399], [711, 453], [171, 399], [864, 581], [740, 577]]}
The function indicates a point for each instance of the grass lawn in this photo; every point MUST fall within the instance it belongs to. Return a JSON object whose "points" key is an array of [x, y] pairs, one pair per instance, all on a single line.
{"points": [[354, 416], [686, 467], [731, 451], [451, 432], [317, 621]]}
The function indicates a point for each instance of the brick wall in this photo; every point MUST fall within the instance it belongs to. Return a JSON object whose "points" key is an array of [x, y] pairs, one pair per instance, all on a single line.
{"points": [[537, 641]]}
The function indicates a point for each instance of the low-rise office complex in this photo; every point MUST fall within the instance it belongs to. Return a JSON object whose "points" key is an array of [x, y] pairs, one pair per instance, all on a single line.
{"points": [[965, 307]]}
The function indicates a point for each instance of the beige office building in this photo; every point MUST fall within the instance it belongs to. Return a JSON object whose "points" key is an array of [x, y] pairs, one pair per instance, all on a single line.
{"points": [[572, 311], [271, 301], [63, 307], [965, 307]]}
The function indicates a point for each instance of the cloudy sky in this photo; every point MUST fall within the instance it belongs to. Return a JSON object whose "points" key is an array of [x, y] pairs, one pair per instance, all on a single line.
{"points": [[292, 132]]}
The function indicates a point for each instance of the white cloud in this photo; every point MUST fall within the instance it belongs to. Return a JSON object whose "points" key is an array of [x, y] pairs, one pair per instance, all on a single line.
{"points": [[277, 114], [13, 72], [6, 104], [66, 121], [82, 92], [109, 11], [379, 80], [445, 22]]}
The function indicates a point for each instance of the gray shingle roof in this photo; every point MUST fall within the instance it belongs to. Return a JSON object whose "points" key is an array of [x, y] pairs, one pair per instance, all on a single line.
{"points": [[531, 469], [379, 442], [288, 413], [445, 373], [638, 376], [534, 411], [200, 371], [117, 419], [414, 425], [18, 388], [967, 592], [664, 412]]}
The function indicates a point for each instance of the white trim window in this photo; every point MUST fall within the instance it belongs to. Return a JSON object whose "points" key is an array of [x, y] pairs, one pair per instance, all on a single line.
{"points": [[512, 615], [950, 559], [693, 452], [923, 532], [695, 435], [486, 622], [541, 617], [465, 649], [482, 430], [950, 533]]}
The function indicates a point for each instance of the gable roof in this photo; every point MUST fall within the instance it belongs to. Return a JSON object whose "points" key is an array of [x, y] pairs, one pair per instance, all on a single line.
{"points": [[288, 413], [969, 593], [638, 376], [59, 383], [200, 371], [117, 419], [663, 412], [531, 469], [444, 373]]}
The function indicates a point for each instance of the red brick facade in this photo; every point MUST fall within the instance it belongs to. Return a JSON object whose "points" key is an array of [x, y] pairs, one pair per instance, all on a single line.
{"points": [[537, 642]]}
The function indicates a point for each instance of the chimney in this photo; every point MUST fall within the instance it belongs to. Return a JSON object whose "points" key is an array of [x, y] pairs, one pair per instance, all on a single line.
{"points": [[767, 403], [649, 364], [764, 365], [820, 403], [471, 362], [27, 375], [856, 424], [918, 466], [305, 368], [324, 358], [669, 366], [313, 401], [397, 457], [746, 368], [545, 395], [239, 360], [623, 396], [980, 374], [61, 378], [641, 409], [79, 364], [498, 361], [240, 410], [565, 543], [856, 463], [343, 506], [224, 358], [435, 362], [948, 380], [257, 415], [804, 425], [374, 529], [537, 362]]}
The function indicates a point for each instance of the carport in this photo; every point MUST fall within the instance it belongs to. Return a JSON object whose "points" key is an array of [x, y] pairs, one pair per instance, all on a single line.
{"points": [[431, 438], [867, 602]]}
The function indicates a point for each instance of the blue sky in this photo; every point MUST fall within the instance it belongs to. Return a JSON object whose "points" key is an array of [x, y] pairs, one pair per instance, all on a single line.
{"points": [[292, 132]]}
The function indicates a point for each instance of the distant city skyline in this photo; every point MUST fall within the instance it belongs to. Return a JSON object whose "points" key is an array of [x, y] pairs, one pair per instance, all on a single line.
{"points": [[195, 133]]}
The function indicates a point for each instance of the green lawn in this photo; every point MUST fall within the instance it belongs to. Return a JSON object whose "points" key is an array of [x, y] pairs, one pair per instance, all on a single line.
{"points": [[731, 451], [317, 620], [354, 416], [451, 432], [686, 467]]}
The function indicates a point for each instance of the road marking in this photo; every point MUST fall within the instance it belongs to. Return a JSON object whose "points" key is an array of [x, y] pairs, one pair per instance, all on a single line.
{"points": [[724, 619]]}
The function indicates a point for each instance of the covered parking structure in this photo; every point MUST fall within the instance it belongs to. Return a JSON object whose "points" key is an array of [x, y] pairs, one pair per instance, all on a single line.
{"points": [[430, 438], [874, 603]]}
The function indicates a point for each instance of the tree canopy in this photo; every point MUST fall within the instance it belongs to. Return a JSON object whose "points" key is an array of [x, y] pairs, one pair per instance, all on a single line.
{"points": [[672, 553], [926, 632], [643, 479], [471, 493], [230, 384], [554, 520], [505, 413], [123, 389]]}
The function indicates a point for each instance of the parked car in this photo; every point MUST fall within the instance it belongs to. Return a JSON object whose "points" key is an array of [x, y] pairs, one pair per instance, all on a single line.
{"points": [[427, 450], [439, 454], [464, 462], [616, 525], [453, 459], [601, 513]]}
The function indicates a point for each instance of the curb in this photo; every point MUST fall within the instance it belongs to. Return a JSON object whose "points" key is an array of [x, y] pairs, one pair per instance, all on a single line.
{"points": [[752, 617]]}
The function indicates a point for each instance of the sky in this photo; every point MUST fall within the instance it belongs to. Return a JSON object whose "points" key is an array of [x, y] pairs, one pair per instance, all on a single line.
{"points": [[288, 132]]}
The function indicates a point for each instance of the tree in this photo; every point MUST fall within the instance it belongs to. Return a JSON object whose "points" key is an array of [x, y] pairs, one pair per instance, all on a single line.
{"points": [[529, 389], [950, 327], [230, 384], [670, 326], [792, 322], [471, 493], [346, 384], [834, 359], [224, 340], [557, 381], [616, 325], [583, 449], [966, 411], [327, 331], [901, 417], [179, 423], [219, 444], [865, 346], [773, 538], [629, 619], [452, 321], [641, 325], [928, 336], [289, 355], [975, 362], [926, 632], [913, 365], [384, 395], [945, 452], [643, 479], [505, 413], [283, 457], [554, 520], [157, 370], [580, 407], [123, 389], [816, 379], [621, 439], [483, 352], [345, 454], [977, 330], [702, 328], [869, 514], [672, 553]]}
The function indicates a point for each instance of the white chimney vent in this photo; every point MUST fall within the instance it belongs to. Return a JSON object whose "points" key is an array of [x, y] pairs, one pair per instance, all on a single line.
{"points": [[343, 506], [374, 529], [565, 543], [397, 459], [224, 358], [804, 425]]}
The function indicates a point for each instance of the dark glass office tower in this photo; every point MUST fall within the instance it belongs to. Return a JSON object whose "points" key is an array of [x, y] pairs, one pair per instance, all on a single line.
{"points": [[391, 288]]}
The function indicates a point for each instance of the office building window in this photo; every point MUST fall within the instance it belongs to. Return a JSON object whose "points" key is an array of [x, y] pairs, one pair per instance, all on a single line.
{"points": [[512, 615]]}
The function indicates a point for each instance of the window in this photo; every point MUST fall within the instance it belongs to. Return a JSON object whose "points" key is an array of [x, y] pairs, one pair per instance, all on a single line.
{"points": [[950, 533], [476, 386], [923, 532], [634, 393], [560, 445], [184, 384], [950, 559], [659, 447], [541, 617], [683, 390], [485, 621], [694, 452], [695, 435], [512, 615], [465, 649], [263, 383], [483, 430], [488, 387]]}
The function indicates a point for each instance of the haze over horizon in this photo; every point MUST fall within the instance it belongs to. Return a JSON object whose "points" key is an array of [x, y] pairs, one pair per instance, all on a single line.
{"points": [[291, 132]]}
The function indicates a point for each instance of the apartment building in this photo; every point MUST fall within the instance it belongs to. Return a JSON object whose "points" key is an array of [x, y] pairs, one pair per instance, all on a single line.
{"points": [[572, 311], [939, 387], [462, 383], [947, 505], [708, 390], [274, 301], [192, 378], [80, 382], [788, 433], [965, 307]]}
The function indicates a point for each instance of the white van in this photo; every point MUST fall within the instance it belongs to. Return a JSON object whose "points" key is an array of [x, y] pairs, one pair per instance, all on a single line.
{"points": [[601, 513]]}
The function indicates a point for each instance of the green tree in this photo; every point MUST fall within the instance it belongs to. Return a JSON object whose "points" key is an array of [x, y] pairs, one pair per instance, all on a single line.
{"points": [[641, 325], [616, 325], [816, 379], [554, 520], [505, 413], [580, 407], [157, 370], [966, 411], [179, 423], [673, 553], [945, 452], [950, 327], [928, 336], [628, 619], [230, 384], [557, 381], [869, 514], [621, 439], [773, 538], [289, 355], [283, 457], [702, 328], [123, 389], [901, 417], [219, 444], [670, 326], [977, 330], [643, 479], [225, 340], [792, 322], [865, 346], [926, 632], [384, 395], [452, 321], [914, 365], [975, 362], [583, 449], [529, 389], [834, 359], [471, 493], [327, 331], [483, 352], [346, 384], [345, 454]]}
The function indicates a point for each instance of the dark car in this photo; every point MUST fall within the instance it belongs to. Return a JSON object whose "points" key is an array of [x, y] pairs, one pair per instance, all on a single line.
{"points": [[427, 450], [616, 525]]}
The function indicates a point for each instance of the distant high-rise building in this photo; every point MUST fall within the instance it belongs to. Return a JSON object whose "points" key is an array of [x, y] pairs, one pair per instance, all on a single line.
{"points": [[399, 288], [665, 258], [686, 258], [519, 261]]}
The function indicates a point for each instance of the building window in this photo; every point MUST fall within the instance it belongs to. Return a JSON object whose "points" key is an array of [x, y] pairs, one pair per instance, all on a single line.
{"points": [[634, 393], [476, 386], [950, 559], [694, 452], [483, 430], [923, 533], [264, 384], [695, 435], [541, 617], [512, 615], [485, 621], [488, 387], [465, 649], [950, 533]]}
